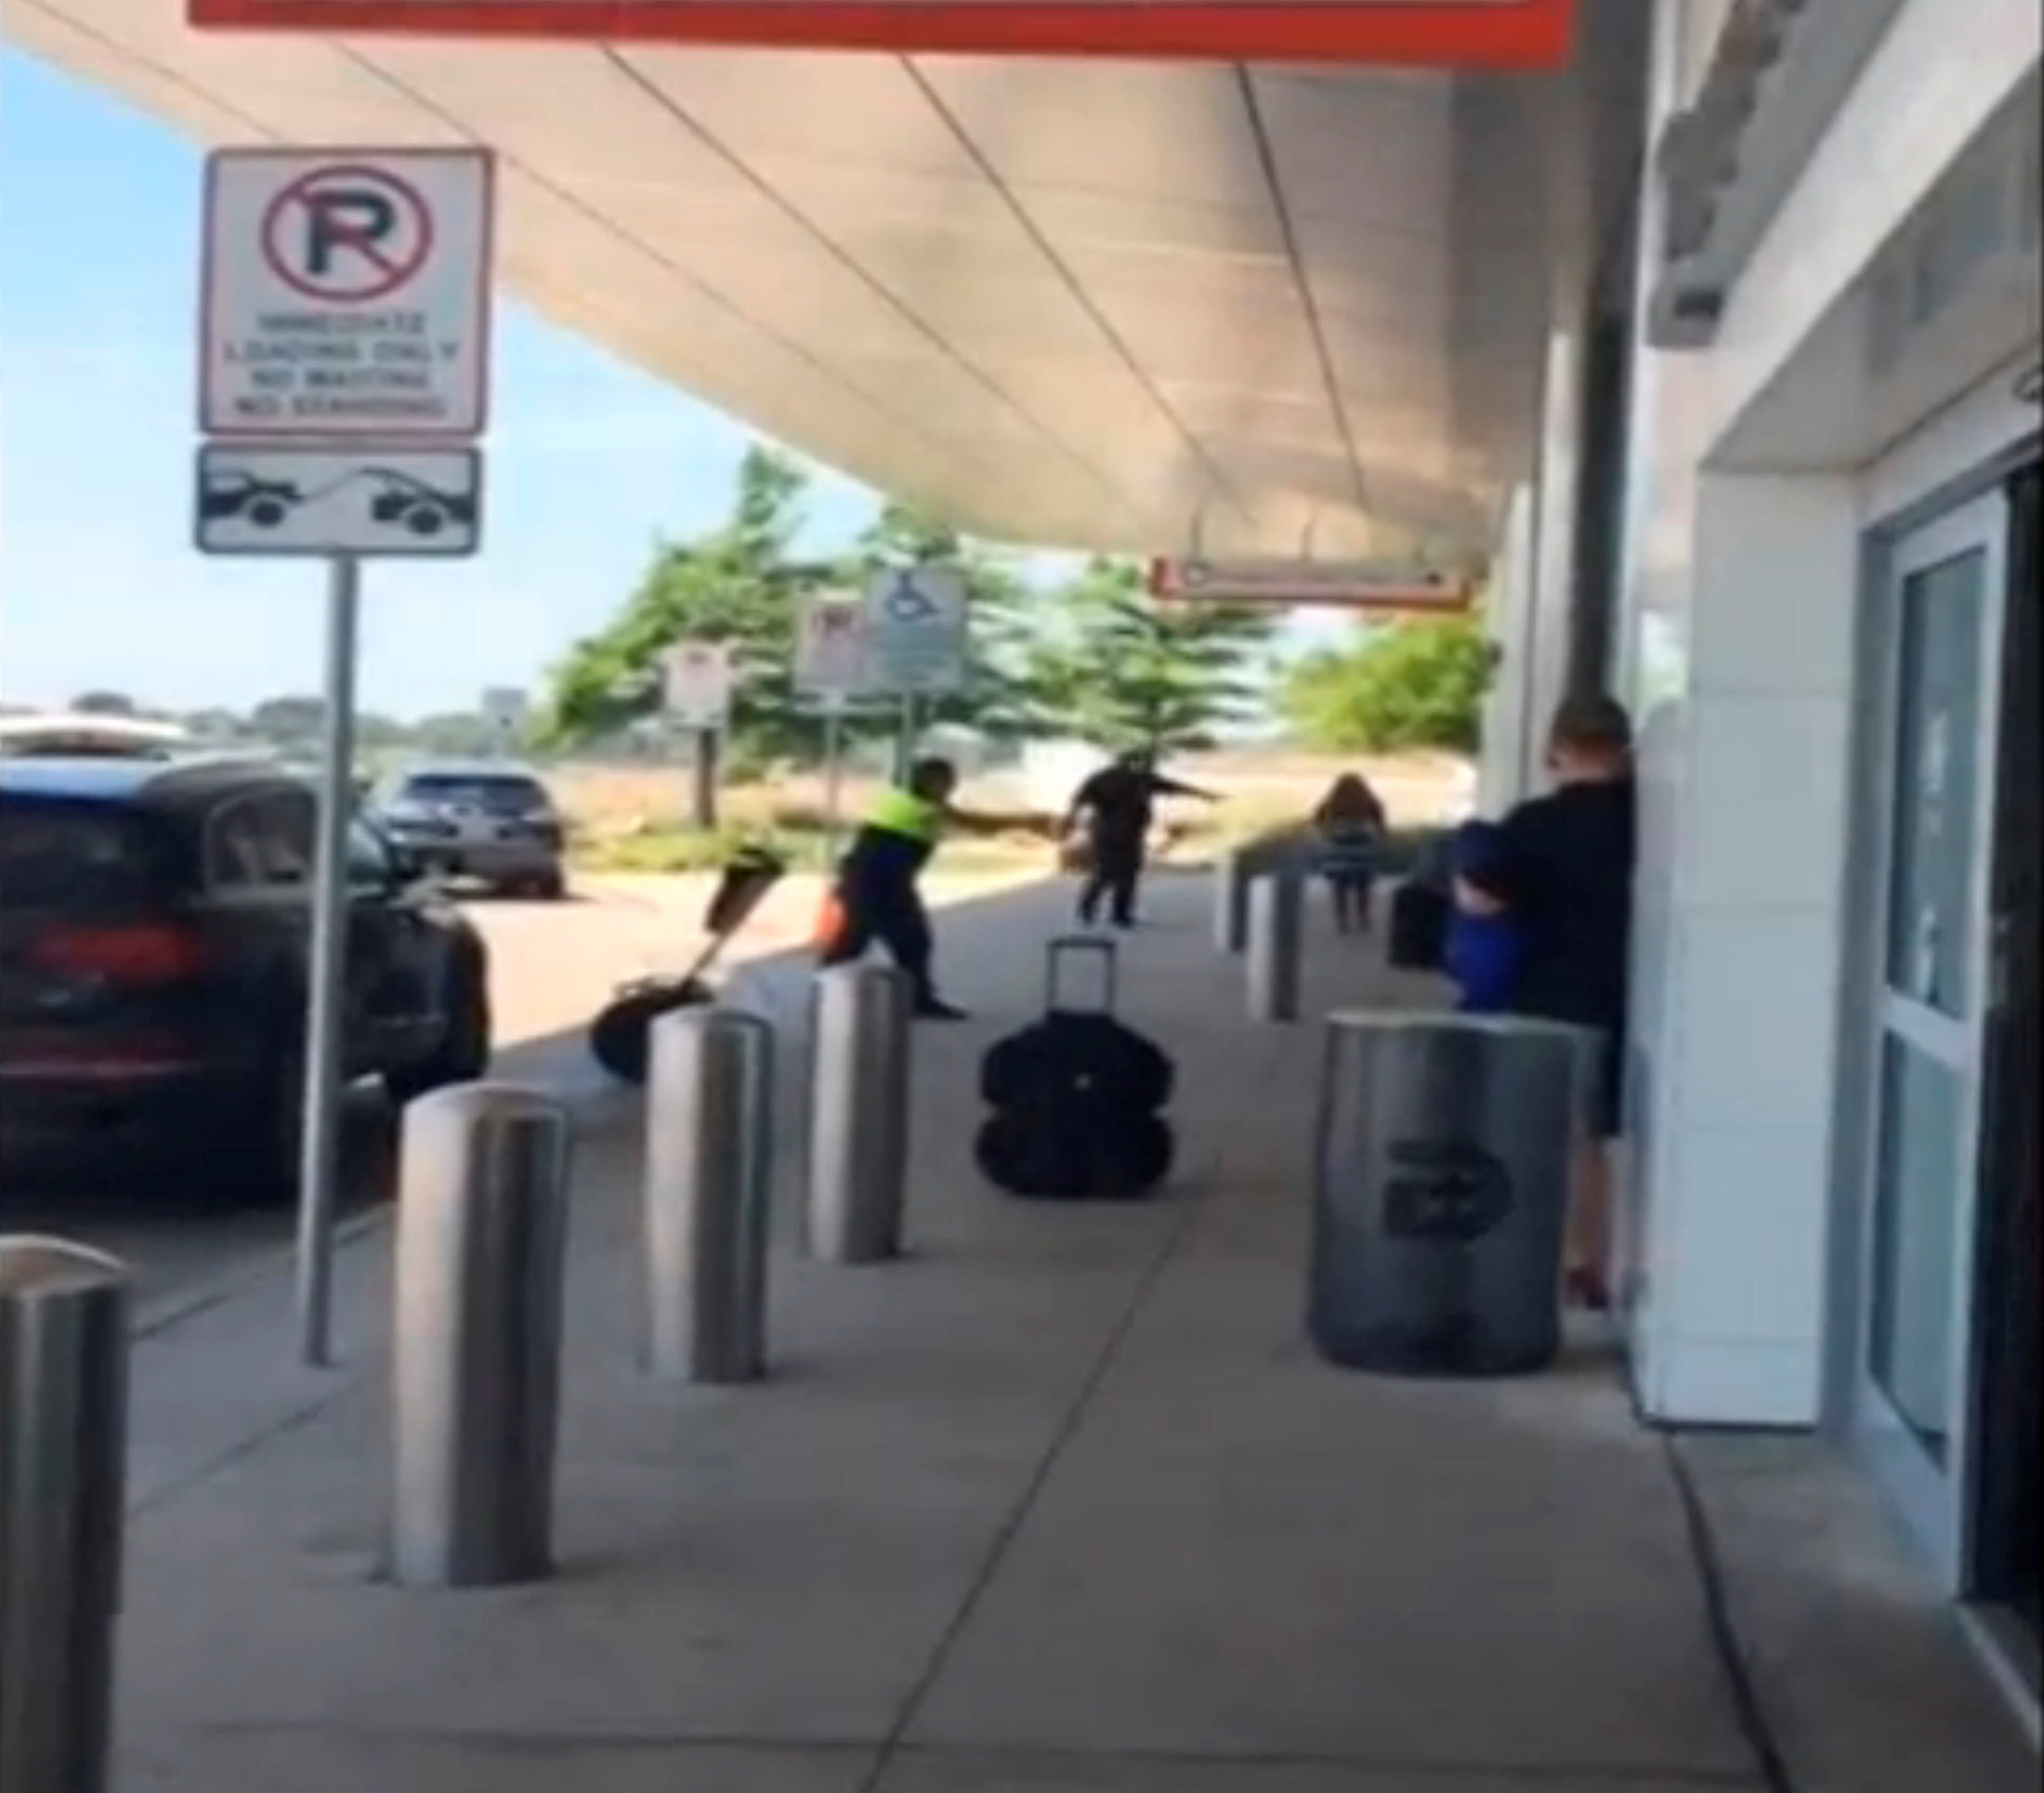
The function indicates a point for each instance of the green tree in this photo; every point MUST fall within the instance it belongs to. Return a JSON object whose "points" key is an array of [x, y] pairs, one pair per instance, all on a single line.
{"points": [[1412, 683], [735, 585], [1115, 666]]}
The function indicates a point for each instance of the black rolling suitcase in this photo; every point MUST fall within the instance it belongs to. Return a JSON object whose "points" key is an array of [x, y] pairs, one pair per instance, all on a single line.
{"points": [[1077, 1098]]}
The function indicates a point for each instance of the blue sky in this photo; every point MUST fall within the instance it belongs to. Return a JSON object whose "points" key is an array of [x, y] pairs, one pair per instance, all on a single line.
{"points": [[99, 585]]}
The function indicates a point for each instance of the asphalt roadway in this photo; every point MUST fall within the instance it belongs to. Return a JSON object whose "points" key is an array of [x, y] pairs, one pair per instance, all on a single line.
{"points": [[552, 966]]}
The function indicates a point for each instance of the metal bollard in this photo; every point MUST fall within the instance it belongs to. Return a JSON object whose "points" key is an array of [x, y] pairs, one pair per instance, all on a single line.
{"points": [[1231, 881], [63, 1457], [483, 1228], [709, 1195], [859, 1115], [1276, 926]]}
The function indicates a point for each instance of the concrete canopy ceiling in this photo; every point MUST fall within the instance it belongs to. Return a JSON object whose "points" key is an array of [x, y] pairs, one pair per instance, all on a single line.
{"points": [[1093, 304]]}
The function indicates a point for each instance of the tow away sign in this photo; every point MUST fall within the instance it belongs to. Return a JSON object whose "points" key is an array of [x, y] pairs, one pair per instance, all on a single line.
{"points": [[346, 293], [1339, 584], [308, 498]]}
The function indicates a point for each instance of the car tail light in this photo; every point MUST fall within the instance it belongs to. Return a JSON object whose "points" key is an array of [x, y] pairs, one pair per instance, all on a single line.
{"points": [[139, 955]]}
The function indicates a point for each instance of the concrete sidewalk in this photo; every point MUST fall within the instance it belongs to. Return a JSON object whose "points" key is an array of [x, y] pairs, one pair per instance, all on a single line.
{"points": [[1062, 1504]]}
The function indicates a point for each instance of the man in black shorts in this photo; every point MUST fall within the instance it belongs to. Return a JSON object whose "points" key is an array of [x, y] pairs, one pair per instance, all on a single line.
{"points": [[1570, 856]]}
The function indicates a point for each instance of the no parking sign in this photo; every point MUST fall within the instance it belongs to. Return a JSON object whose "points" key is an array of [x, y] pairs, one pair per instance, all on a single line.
{"points": [[346, 293]]}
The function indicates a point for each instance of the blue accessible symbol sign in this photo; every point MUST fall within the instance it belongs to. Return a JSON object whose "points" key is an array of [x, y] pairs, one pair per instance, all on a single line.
{"points": [[916, 630]]}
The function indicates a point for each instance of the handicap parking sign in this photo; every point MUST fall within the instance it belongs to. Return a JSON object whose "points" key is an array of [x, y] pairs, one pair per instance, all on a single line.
{"points": [[916, 630]]}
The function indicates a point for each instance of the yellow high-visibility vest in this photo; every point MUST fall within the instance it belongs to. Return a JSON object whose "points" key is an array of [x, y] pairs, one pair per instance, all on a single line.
{"points": [[895, 811]]}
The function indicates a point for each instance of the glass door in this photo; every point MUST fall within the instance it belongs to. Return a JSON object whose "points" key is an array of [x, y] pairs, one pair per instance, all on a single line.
{"points": [[1940, 615]]}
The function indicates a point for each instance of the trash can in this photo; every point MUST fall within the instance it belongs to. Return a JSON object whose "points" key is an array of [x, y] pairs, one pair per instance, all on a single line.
{"points": [[1441, 1193]]}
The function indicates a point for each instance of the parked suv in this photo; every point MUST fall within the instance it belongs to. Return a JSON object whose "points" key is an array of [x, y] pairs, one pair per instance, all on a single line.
{"points": [[488, 820], [154, 942]]}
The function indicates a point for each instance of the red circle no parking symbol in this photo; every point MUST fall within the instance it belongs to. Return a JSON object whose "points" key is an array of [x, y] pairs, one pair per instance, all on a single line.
{"points": [[346, 234]]}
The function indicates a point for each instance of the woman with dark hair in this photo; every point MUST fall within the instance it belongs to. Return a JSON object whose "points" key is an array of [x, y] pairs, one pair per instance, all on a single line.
{"points": [[1350, 822]]}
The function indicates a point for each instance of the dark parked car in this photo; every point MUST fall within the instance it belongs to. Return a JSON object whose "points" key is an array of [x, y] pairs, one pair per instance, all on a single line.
{"points": [[154, 934]]}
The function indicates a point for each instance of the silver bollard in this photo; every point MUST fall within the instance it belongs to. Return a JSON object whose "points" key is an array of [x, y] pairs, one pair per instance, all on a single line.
{"points": [[63, 1456], [483, 1228], [709, 1195], [859, 1115], [1231, 880], [1277, 928]]}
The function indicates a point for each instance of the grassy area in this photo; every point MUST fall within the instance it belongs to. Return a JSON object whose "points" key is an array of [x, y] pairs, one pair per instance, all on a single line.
{"points": [[797, 832]]}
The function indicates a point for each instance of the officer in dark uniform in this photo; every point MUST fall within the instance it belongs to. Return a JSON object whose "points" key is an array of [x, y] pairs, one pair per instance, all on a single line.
{"points": [[878, 890], [1119, 802]]}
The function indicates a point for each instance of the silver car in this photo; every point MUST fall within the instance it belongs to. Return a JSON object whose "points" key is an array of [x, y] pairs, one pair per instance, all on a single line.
{"points": [[489, 821]]}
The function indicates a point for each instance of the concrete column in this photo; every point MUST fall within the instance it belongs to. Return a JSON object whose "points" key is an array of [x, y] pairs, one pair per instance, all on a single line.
{"points": [[1556, 503], [1503, 775], [1739, 941]]}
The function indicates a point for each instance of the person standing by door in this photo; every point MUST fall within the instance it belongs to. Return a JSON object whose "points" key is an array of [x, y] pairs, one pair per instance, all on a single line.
{"points": [[1118, 803], [1564, 874]]}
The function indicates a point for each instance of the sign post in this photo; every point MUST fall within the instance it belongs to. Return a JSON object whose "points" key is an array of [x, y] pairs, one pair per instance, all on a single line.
{"points": [[506, 710], [696, 685], [326, 976], [916, 625], [831, 670], [343, 362]]}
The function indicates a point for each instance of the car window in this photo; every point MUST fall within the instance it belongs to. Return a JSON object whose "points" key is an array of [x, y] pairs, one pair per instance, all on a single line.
{"points": [[61, 855], [262, 841], [505, 793], [368, 860], [289, 824]]}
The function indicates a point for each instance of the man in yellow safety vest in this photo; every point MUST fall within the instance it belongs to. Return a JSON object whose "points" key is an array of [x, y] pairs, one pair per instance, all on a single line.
{"points": [[877, 893]]}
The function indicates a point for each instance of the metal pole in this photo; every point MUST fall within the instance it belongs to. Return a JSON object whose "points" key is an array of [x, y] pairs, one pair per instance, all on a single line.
{"points": [[834, 778], [320, 1144], [63, 1449], [859, 1114], [1231, 876], [905, 740], [708, 1194], [1277, 913], [483, 1226]]}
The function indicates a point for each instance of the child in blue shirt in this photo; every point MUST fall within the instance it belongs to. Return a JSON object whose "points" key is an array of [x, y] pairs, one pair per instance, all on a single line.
{"points": [[1484, 944]]}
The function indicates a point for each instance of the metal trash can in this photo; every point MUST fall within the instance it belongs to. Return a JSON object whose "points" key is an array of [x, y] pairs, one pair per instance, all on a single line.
{"points": [[1441, 1191]]}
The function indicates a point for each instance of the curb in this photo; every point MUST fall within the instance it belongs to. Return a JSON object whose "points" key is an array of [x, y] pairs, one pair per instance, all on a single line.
{"points": [[170, 1311]]}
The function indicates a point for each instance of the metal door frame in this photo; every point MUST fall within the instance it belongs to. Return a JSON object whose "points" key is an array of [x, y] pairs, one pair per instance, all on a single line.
{"points": [[1936, 1503]]}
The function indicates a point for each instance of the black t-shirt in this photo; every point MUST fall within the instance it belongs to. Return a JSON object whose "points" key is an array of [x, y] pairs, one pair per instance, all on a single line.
{"points": [[1121, 801], [1568, 868]]}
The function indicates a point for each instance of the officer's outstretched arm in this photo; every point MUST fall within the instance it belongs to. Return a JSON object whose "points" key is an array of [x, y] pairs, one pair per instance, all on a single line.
{"points": [[986, 821]]}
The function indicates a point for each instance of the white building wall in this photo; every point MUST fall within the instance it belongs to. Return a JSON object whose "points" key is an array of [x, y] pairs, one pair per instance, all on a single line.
{"points": [[1555, 501], [1502, 772], [1741, 591]]}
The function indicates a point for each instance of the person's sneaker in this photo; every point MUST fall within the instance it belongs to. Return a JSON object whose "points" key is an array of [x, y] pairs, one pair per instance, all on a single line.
{"points": [[935, 1011]]}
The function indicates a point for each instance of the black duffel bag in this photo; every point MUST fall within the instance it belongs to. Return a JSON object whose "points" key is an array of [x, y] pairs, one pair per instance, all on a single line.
{"points": [[1075, 1152], [1089, 1053]]}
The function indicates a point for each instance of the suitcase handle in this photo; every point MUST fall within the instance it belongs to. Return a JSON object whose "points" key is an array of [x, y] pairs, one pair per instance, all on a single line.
{"points": [[1068, 946]]}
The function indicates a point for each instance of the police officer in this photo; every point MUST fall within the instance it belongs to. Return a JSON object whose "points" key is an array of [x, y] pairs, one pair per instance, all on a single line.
{"points": [[877, 890], [1119, 802]]}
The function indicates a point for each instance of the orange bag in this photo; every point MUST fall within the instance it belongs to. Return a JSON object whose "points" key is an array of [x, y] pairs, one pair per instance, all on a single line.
{"points": [[829, 923]]}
